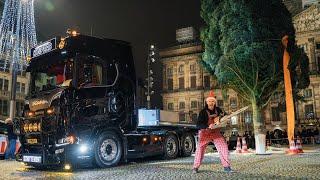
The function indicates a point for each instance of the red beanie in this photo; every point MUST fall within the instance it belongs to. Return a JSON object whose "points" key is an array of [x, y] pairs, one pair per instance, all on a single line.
{"points": [[211, 96]]}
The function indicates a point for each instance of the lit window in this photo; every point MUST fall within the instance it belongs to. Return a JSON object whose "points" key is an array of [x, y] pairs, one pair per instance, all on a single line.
{"points": [[234, 120], [181, 69], [170, 106], [194, 104], [181, 105]]}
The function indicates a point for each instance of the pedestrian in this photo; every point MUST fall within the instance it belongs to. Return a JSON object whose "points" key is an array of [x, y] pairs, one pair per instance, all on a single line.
{"points": [[12, 138], [207, 120]]}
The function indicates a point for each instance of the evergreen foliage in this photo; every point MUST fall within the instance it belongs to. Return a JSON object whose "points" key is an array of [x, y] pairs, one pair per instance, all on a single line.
{"points": [[243, 47]]}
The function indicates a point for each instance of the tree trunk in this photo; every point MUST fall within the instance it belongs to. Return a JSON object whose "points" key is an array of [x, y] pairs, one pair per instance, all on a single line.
{"points": [[259, 128]]}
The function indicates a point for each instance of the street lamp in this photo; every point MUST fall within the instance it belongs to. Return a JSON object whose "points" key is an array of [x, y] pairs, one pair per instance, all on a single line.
{"points": [[149, 79]]}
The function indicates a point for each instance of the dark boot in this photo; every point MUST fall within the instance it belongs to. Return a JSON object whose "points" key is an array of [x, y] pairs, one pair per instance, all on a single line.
{"points": [[195, 170]]}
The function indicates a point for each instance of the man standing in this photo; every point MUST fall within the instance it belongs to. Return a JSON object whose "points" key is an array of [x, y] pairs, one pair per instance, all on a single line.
{"points": [[208, 120], [12, 138]]}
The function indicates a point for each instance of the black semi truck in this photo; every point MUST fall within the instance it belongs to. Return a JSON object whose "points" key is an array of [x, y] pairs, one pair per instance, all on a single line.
{"points": [[81, 108]]}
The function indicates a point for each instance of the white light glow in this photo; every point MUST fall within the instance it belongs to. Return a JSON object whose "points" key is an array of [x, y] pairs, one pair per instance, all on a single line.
{"points": [[83, 148]]}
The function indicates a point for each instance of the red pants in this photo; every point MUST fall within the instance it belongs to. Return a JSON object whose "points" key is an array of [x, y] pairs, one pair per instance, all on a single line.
{"points": [[206, 136]]}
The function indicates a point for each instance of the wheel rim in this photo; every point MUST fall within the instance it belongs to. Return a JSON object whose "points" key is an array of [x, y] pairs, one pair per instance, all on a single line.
{"points": [[188, 144], [171, 146], [108, 150]]}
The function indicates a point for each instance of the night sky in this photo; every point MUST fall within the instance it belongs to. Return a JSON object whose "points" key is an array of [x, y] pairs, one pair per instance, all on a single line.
{"points": [[140, 22]]}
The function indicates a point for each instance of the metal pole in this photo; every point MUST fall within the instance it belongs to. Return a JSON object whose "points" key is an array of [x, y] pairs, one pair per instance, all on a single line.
{"points": [[148, 86], [13, 91]]}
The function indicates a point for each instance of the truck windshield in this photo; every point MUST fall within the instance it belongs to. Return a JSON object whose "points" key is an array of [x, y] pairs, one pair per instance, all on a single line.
{"points": [[51, 77]]}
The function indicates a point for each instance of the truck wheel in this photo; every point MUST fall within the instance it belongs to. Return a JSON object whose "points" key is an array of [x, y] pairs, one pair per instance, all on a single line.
{"points": [[187, 145], [171, 147], [108, 150]]}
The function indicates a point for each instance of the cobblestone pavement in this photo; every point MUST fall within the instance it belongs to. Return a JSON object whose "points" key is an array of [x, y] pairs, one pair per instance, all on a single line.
{"points": [[247, 166]]}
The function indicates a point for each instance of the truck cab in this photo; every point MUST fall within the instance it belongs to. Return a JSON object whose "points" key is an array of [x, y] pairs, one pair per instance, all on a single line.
{"points": [[80, 86]]}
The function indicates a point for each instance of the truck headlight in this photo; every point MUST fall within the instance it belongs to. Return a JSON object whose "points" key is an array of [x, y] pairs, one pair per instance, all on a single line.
{"points": [[30, 114], [83, 148], [69, 140]]}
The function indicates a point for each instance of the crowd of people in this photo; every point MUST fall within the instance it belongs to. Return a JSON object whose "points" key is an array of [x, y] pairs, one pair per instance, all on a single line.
{"points": [[277, 137], [309, 135]]}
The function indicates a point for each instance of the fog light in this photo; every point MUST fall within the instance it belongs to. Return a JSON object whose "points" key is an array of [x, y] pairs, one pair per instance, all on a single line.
{"points": [[144, 139], [67, 166], [30, 113], [50, 110], [83, 148]]}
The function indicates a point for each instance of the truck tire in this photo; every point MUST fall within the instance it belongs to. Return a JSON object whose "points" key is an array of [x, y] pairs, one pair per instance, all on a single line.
{"points": [[108, 150], [171, 147], [187, 145]]}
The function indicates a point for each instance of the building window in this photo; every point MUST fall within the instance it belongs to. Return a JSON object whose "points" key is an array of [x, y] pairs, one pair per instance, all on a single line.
{"points": [[18, 87], [194, 117], [193, 68], [233, 102], [193, 81], [318, 63], [6, 85], [194, 104], [307, 93], [308, 109], [181, 83], [247, 117], [1, 84], [304, 47], [181, 69], [275, 113], [206, 81], [170, 84], [234, 120], [23, 88], [19, 108], [182, 105], [4, 107], [170, 106], [318, 45], [182, 116], [220, 103], [170, 72]]}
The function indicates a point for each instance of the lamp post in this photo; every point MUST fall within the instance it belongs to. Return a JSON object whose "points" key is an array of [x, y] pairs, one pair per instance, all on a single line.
{"points": [[149, 79]]}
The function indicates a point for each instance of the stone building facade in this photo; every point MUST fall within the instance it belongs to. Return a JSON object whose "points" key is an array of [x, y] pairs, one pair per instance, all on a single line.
{"points": [[307, 25], [186, 84]]}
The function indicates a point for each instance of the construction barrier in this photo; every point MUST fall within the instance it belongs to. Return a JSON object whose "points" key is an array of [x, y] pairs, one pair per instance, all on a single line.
{"points": [[293, 148], [3, 145], [299, 145], [244, 146], [238, 148]]}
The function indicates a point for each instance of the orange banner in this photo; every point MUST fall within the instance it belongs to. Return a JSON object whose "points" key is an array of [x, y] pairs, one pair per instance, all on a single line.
{"points": [[288, 90]]}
